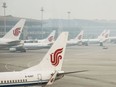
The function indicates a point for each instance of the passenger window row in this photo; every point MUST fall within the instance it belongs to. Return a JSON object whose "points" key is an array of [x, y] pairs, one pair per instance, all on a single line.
{"points": [[14, 81]]}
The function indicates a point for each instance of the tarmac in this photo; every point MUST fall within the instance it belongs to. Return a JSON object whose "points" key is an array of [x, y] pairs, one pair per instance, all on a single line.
{"points": [[100, 65]]}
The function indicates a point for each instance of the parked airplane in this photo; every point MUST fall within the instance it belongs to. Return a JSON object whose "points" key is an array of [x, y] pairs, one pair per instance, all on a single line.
{"points": [[44, 73], [39, 44], [100, 39], [12, 37], [49, 39], [111, 38], [76, 40], [106, 35]]}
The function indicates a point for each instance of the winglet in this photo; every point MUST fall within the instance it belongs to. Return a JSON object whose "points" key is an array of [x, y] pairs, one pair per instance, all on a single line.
{"points": [[52, 79]]}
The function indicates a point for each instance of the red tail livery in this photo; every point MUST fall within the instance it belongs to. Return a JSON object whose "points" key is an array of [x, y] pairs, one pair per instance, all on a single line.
{"points": [[56, 57], [16, 31]]}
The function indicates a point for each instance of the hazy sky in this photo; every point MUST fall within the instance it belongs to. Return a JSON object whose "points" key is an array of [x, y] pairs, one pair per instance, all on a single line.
{"points": [[80, 9]]}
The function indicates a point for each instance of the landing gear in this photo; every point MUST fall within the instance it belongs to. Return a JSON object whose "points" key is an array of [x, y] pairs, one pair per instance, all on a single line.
{"points": [[17, 49], [101, 44], [21, 49]]}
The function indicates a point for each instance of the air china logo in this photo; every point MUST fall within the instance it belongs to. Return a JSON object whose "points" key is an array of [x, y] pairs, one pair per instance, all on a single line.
{"points": [[103, 34], [50, 38], [106, 36], [56, 57], [16, 31], [80, 37]]}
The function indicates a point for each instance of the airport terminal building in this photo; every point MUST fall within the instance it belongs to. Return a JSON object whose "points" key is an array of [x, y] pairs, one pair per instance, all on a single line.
{"points": [[37, 29]]}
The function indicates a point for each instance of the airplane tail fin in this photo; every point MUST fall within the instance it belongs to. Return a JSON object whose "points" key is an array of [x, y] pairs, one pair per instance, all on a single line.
{"points": [[105, 36], [51, 37], [53, 60], [102, 34], [15, 32], [79, 36]]}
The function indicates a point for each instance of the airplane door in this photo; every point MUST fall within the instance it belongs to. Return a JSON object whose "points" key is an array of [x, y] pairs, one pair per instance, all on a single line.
{"points": [[39, 78]]}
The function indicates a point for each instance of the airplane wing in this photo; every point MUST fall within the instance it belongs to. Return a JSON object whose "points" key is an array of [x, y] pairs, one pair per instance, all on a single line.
{"points": [[58, 75], [61, 74], [14, 42], [72, 72], [10, 44]]}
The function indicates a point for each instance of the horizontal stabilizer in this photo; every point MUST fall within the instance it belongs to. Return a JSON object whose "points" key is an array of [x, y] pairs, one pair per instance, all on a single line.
{"points": [[72, 72]]}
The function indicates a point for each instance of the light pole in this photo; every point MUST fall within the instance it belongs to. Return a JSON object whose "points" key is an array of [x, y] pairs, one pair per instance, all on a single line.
{"points": [[4, 6], [69, 18], [42, 20], [69, 14]]}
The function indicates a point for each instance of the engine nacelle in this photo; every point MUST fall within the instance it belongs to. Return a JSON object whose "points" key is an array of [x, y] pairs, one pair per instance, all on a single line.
{"points": [[17, 49], [12, 49]]}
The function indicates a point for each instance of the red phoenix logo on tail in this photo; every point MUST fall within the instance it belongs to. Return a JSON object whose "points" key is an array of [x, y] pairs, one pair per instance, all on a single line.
{"points": [[103, 34], [50, 38], [80, 37], [56, 57], [106, 36], [16, 31]]}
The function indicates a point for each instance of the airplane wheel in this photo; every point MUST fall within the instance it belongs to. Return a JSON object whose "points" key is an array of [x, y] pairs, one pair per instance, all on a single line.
{"points": [[101, 44]]}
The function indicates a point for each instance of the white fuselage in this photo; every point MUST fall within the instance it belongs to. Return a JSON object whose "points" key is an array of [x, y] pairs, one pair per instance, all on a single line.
{"points": [[24, 78], [93, 41], [73, 42], [8, 42], [4, 41], [34, 46]]}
